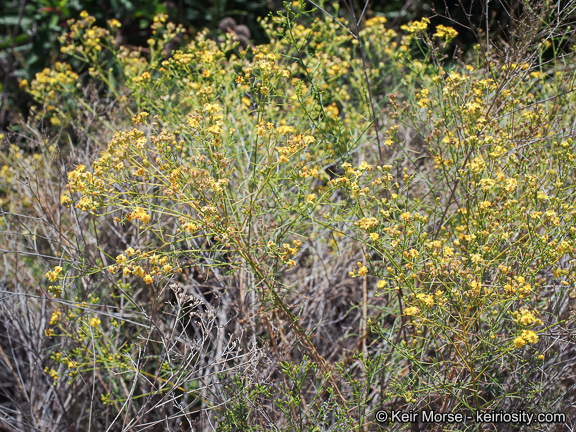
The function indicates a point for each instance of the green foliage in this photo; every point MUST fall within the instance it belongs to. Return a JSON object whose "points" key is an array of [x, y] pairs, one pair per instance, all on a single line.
{"points": [[29, 32]]}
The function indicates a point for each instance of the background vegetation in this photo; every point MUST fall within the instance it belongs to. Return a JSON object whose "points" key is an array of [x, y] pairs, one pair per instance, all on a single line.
{"points": [[285, 222]]}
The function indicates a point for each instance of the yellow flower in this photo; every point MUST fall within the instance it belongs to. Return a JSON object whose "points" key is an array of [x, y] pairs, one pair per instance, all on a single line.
{"points": [[65, 200], [140, 214], [114, 23], [309, 139], [367, 223], [519, 342], [211, 108], [529, 336], [362, 271], [377, 20], [443, 32], [411, 311], [427, 299], [55, 317], [53, 275], [140, 118], [526, 318], [215, 129], [381, 284], [476, 259], [416, 26], [95, 322], [364, 166]]}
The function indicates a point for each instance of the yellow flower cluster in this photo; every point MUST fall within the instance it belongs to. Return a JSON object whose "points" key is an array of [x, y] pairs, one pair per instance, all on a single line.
{"points": [[140, 118], [84, 30], [55, 318], [53, 374], [95, 322], [77, 179], [376, 21], [140, 214], [49, 82], [412, 311], [527, 337], [426, 299], [294, 144], [525, 318], [443, 32], [515, 67], [288, 251], [52, 88], [362, 271], [54, 274], [416, 26], [367, 224], [518, 286]]}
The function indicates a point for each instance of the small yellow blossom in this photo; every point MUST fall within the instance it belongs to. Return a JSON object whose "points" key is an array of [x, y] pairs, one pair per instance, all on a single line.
{"points": [[529, 336], [55, 318], [65, 200], [364, 166], [381, 284], [519, 342], [443, 32], [416, 26], [140, 214], [367, 223], [376, 21], [114, 23], [140, 118], [53, 275], [411, 311], [427, 299], [476, 259], [362, 271], [526, 318]]}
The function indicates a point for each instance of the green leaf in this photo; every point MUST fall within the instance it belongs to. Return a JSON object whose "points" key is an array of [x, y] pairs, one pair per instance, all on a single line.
{"points": [[21, 39], [13, 20]]}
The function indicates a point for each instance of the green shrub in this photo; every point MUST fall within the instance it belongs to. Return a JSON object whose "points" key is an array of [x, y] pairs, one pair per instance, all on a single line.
{"points": [[295, 235]]}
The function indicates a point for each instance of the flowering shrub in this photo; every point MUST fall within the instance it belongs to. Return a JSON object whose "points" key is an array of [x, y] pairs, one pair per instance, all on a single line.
{"points": [[302, 233]]}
